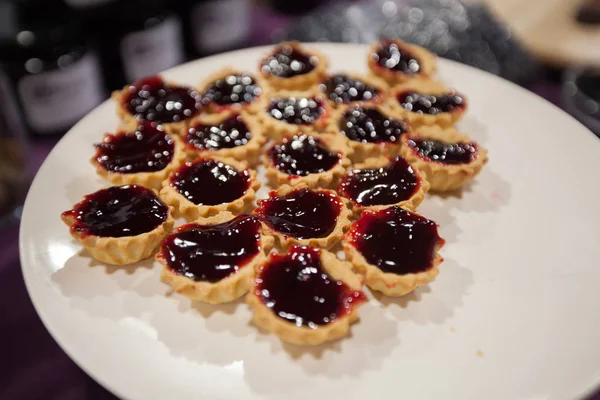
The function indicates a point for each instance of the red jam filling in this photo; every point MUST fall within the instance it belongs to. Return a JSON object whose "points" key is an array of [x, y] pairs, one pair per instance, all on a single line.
{"points": [[207, 182], [395, 240], [431, 104], [118, 211], [368, 125], [148, 149], [343, 89], [211, 253], [379, 186], [287, 62], [232, 132], [391, 56], [150, 99], [302, 214], [302, 155], [296, 287], [296, 110], [444, 153], [232, 89]]}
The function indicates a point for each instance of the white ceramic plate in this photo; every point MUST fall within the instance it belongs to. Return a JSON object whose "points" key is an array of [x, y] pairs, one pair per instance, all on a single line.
{"points": [[514, 313]]}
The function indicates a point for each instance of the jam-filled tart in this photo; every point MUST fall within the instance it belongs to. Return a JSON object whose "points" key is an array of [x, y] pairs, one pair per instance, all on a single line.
{"points": [[395, 249], [214, 259], [119, 225], [349, 88], [383, 182], [286, 112], [227, 134], [156, 100], [291, 66], [142, 156], [210, 185], [307, 159], [303, 216], [230, 89], [369, 130], [447, 158], [425, 102], [396, 61], [306, 296]]}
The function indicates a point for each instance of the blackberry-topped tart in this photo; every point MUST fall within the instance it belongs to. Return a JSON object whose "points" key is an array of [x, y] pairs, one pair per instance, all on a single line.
{"points": [[227, 134], [396, 61], [447, 158], [313, 217], [214, 259], [369, 129], [346, 88], [307, 159], [119, 225], [291, 66], [383, 182], [286, 112], [306, 296], [425, 102], [232, 90], [155, 100], [142, 156], [395, 249], [210, 185]]}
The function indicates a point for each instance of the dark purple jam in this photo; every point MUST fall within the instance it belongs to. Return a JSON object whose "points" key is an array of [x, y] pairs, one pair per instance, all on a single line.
{"points": [[287, 61], [396, 240], [343, 89], [151, 99], [380, 186], [369, 125], [232, 132], [431, 104], [444, 153], [302, 214], [211, 253], [296, 287], [296, 110], [394, 57], [232, 89], [207, 182], [118, 211], [302, 155], [148, 149]]}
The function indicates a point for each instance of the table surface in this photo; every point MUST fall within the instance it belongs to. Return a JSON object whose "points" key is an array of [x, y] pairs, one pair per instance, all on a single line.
{"points": [[32, 365]]}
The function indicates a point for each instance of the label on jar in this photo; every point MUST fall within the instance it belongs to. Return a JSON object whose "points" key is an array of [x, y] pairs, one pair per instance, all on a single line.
{"points": [[220, 25], [152, 50], [55, 100]]}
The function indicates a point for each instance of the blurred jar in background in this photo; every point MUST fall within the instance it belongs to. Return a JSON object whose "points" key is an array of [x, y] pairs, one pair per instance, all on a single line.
{"points": [[136, 38], [54, 73], [214, 26]]}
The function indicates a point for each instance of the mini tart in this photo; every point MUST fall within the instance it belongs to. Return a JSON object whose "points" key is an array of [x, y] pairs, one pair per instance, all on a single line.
{"points": [[447, 158], [214, 259], [350, 88], [302, 216], [307, 160], [291, 66], [379, 183], [210, 185], [287, 112], [396, 61], [144, 156], [119, 225], [426, 102], [145, 100], [396, 250], [306, 296], [369, 129], [227, 134], [230, 89]]}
